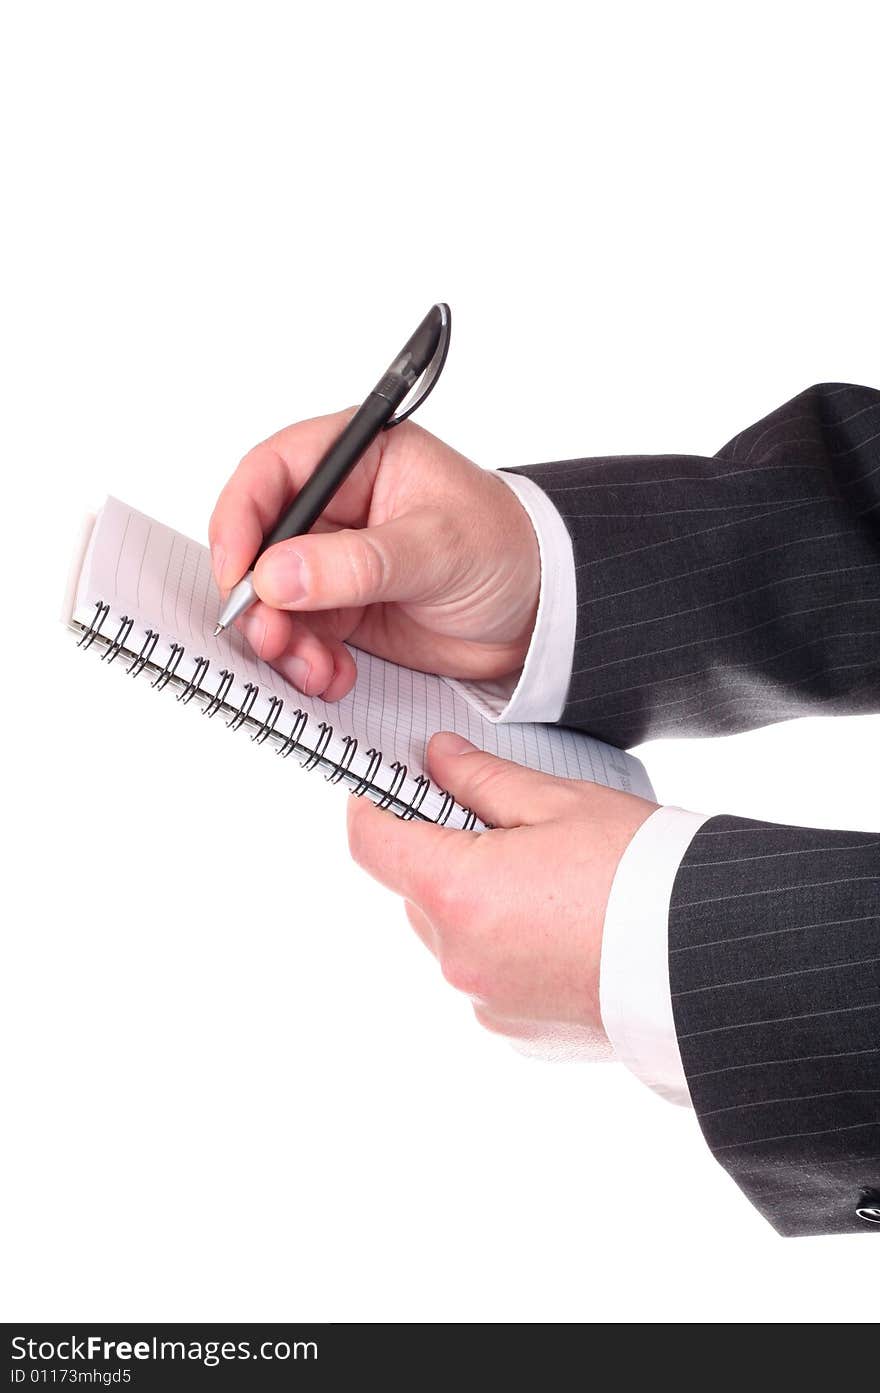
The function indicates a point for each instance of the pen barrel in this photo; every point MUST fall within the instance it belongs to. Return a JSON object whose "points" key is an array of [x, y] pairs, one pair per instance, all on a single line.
{"points": [[336, 465]]}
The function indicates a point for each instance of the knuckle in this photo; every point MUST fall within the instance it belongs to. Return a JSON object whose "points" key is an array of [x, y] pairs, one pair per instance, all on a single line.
{"points": [[367, 566], [488, 776], [568, 795], [434, 894], [462, 972], [441, 887], [445, 899]]}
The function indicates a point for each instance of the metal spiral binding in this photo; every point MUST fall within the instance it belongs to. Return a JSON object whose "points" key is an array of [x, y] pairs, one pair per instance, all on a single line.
{"points": [[200, 672], [150, 640], [276, 704], [423, 783], [91, 633], [300, 721], [170, 668], [394, 787], [251, 691], [112, 653], [368, 778], [226, 680], [349, 748], [315, 754]]}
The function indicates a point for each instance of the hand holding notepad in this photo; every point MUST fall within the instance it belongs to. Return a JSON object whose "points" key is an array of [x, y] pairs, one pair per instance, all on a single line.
{"points": [[424, 557], [385, 542]]}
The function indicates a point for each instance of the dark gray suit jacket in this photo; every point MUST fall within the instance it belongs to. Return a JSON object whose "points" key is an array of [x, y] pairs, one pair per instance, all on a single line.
{"points": [[715, 595]]}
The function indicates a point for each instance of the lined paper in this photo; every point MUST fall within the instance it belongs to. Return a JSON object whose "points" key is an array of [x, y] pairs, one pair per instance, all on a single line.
{"points": [[161, 580]]}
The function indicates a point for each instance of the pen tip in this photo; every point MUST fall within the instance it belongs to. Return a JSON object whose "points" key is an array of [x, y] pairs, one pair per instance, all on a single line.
{"points": [[219, 629]]}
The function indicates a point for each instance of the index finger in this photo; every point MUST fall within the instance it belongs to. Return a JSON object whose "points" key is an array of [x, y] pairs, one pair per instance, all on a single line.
{"points": [[265, 483]]}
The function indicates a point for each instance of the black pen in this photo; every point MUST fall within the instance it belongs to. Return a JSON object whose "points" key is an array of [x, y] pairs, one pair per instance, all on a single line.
{"points": [[424, 353]]}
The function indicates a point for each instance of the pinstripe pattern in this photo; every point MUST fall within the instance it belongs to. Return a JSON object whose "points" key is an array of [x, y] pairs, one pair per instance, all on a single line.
{"points": [[776, 997], [719, 594], [715, 595]]}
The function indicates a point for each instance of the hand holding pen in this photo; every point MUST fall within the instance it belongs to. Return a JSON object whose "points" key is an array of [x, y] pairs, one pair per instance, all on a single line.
{"points": [[426, 559], [418, 556]]}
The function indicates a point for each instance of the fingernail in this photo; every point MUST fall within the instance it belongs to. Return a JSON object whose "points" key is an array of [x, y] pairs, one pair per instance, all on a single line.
{"points": [[282, 575], [448, 743], [297, 670], [218, 561]]}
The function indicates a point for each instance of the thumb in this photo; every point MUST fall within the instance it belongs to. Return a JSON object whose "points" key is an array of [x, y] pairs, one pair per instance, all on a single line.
{"points": [[335, 570], [501, 793]]}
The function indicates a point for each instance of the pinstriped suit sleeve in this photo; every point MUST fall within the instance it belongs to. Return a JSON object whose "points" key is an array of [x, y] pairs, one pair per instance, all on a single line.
{"points": [[774, 969], [716, 595]]}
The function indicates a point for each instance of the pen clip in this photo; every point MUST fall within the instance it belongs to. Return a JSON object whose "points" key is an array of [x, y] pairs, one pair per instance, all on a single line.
{"points": [[424, 385]]}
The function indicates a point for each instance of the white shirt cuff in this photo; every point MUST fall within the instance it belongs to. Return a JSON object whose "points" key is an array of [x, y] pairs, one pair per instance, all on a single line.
{"points": [[634, 993], [540, 690]]}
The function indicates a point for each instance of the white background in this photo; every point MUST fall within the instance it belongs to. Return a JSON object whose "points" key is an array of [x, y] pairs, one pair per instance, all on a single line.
{"points": [[234, 1085]]}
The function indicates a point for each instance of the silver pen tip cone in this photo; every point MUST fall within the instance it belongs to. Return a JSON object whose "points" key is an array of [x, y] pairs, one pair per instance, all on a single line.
{"points": [[219, 629]]}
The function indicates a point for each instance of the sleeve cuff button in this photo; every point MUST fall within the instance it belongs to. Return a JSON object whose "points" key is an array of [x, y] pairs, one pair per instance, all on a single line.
{"points": [[869, 1208]]}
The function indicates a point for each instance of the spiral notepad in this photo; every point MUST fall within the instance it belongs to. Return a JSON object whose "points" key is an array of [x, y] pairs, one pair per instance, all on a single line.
{"points": [[143, 597]]}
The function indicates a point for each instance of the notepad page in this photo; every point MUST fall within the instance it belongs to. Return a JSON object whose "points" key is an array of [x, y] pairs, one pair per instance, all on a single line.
{"points": [[147, 572]]}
